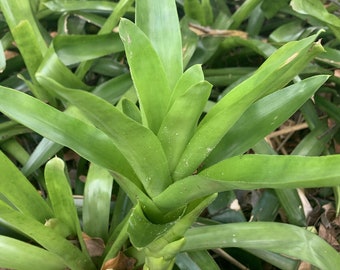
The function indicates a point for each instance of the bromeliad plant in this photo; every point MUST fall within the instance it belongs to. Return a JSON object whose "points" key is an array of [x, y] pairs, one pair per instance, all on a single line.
{"points": [[169, 157]]}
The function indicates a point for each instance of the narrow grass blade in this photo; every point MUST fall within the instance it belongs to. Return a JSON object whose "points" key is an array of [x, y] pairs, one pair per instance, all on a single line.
{"points": [[138, 144], [276, 237], [16, 254], [277, 71], [253, 172], [97, 202], [22, 195], [164, 34], [148, 74]]}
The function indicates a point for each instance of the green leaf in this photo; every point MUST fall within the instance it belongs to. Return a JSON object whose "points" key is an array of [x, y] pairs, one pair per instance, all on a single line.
{"points": [[97, 202], [22, 195], [137, 143], [52, 67], [189, 78], [148, 74], [16, 254], [43, 152], [46, 237], [194, 10], [263, 117], [64, 129], [164, 34], [138, 222], [180, 122], [317, 10], [277, 71], [60, 194], [285, 239], [72, 49], [253, 172]]}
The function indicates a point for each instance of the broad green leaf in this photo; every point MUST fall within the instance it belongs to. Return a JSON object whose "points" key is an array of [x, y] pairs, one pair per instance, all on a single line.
{"points": [[60, 193], [189, 78], [137, 143], [318, 10], [148, 74], [97, 202], [197, 11], [180, 122], [263, 117], [77, 48], [122, 7], [287, 32], [20, 12], [243, 12], [277, 71], [285, 239], [52, 67], [16, 254], [46, 237], [164, 35], [43, 152], [89, 6], [138, 222], [64, 129], [253, 172], [19, 191]]}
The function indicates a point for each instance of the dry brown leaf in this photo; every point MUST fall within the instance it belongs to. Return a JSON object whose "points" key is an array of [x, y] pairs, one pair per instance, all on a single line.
{"points": [[94, 245], [120, 262]]}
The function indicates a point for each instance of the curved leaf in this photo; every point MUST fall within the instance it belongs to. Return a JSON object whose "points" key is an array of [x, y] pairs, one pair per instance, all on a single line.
{"points": [[253, 172], [97, 202], [180, 122], [263, 117], [64, 129], [148, 74], [285, 239], [46, 237], [138, 144], [277, 71], [20, 255], [164, 34], [19, 191]]}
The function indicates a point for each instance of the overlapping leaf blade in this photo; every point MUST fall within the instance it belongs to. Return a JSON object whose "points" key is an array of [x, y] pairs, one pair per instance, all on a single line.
{"points": [[251, 172], [16, 254], [64, 129], [138, 144], [277, 71], [22, 195], [159, 21], [263, 117], [280, 238], [148, 74]]}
